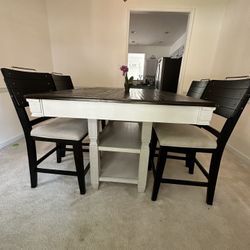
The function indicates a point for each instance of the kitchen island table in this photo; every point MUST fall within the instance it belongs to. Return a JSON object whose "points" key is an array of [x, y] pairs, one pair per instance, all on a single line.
{"points": [[125, 144]]}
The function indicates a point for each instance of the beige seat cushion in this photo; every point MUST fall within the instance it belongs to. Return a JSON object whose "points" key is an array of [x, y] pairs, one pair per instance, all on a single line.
{"points": [[61, 128], [182, 135]]}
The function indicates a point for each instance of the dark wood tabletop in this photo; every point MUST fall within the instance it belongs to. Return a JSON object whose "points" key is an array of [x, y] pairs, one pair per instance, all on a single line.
{"points": [[117, 95]]}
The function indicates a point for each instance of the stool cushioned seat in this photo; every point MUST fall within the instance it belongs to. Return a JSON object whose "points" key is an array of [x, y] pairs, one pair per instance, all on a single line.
{"points": [[61, 128], [182, 135]]}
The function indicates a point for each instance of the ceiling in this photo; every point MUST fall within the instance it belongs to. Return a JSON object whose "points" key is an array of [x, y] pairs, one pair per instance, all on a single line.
{"points": [[156, 28]]}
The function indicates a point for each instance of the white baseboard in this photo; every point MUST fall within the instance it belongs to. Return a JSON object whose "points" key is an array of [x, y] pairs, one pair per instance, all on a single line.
{"points": [[235, 151], [11, 140]]}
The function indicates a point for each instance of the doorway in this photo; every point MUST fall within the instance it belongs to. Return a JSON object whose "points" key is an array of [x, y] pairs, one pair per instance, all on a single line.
{"points": [[160, 38]]}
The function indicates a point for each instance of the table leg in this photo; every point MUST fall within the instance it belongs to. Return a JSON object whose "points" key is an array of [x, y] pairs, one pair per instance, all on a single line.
{"points": [[93, 129], [144, 155]]}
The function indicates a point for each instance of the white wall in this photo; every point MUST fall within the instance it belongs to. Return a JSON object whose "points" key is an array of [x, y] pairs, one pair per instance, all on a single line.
{"points": [[24, 42], [90, 38], [157, 51], [178, 47], [25, 37], [232, 58]]}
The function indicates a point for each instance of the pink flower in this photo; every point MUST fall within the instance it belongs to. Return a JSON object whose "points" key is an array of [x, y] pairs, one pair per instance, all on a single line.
{"points": [[124, 69]]}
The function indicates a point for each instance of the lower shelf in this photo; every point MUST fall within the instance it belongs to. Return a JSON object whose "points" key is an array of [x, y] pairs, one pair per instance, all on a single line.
{"points": [[119, 167]]}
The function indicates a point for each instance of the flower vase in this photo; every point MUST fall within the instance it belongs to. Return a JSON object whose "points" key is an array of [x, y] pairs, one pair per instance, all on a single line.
{"points": [[126, 87], [128, 83]]}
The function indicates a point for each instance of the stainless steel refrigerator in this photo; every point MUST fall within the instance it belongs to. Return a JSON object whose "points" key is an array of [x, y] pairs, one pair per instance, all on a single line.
{"points": [[167, 74]]}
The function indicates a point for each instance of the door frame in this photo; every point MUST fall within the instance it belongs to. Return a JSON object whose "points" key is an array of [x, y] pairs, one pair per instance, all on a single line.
{"points": [[191, 14]]}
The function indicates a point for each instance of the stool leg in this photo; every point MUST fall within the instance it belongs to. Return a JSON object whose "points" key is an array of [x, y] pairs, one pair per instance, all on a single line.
{"points": [[159, 172], [190, 161], [58, 153], [31, 149], [63, 150], [213, 174], [78, 156], [152, 147], [103, 122]]}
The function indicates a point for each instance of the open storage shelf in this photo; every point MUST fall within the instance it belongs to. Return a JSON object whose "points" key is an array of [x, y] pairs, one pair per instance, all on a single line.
{"points": [[120, 146], [119, 167], [121, 137]]}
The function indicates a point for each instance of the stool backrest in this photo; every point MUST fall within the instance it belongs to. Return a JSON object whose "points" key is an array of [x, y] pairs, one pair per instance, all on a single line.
{"points": [[230, 97], [197, 88], [20, 83], [62, 82]]}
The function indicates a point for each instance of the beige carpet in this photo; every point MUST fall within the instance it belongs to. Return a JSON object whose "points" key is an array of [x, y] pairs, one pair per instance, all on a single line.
{"points": [[56, 216]]}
